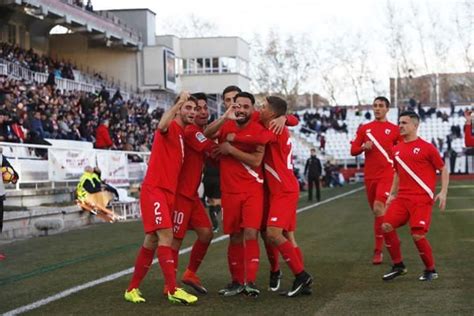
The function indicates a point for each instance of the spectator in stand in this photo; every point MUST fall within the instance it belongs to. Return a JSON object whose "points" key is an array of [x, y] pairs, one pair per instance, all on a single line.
{"points": [[6, 133], [102, 136], [468, 131], [89, 6], [322, 143]]}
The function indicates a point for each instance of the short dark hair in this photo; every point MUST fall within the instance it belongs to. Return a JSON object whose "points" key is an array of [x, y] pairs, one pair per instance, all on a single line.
{"points": [[278, 105], [410, 114], [200, 96], [244, 94], [230, 89], [383, 99]]}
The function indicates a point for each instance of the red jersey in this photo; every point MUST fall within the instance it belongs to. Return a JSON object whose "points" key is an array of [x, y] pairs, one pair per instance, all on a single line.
{"points": [[423, 159], [196, 145], [468, 135], [166, 160], [235, 175], [277, 162], [376, 163]]}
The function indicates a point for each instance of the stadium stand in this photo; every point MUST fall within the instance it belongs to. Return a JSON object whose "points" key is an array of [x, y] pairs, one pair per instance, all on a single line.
{"points": [[438, 125]]}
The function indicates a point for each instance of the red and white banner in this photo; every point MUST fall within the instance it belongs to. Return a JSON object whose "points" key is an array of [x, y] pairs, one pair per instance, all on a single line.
{"points": [[114, 167], [68, 164]]}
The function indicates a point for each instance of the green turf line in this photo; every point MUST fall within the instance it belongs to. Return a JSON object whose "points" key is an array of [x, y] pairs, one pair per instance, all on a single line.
{"points": [[59, 265]]}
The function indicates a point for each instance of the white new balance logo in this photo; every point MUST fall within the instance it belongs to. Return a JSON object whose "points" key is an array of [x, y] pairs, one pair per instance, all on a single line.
{"points": [[273, 219]]}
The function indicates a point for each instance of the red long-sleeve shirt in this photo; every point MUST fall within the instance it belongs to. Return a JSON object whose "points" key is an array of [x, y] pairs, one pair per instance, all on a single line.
{"points": [[468, 136], [102, 137]]}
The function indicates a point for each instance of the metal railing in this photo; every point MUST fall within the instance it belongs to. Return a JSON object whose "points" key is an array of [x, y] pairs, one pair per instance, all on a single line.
{"points": [[19, 72], [33, 165]]}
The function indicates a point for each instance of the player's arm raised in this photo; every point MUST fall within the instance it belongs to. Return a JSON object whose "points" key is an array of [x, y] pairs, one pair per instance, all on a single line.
{"points": [[252, 159], [278, 124], [443, 194], [170, 114], [212, 129]]}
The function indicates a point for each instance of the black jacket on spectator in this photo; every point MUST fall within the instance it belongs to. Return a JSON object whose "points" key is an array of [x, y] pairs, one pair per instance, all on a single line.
{"points": [[313, 167]]}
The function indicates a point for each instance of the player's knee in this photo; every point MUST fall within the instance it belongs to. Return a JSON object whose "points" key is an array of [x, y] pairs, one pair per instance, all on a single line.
{"points": [[417, 233], [273, 236], [378, 208], [250, 234], [386, 227], [236, 238], [205, 235], [151, 241], [165, 237]]}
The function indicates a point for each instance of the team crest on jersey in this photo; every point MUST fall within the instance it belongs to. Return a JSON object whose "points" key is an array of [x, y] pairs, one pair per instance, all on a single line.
{"points": [[387, 131], [416, 150], [200, 137]]}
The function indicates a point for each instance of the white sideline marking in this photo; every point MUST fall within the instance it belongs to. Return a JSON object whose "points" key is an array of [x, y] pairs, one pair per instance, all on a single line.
{"points": [[111, 277]]}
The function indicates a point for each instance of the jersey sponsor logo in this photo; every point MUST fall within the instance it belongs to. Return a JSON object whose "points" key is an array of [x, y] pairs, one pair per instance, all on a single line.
{"points": [[416, 150], [200, 137], [387, 131]]}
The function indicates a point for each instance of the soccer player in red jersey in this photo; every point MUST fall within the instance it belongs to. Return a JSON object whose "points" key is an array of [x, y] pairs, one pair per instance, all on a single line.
{"points": [[189, 213], [157, 197], [376, 140], [242, 193], [412, 196], [283, 187]]}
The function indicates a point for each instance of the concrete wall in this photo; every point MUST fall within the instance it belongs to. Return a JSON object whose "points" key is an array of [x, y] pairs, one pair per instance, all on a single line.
{"points": [[142, 20], [214, 47], [116, 63], [213, 83], [153, 67]]}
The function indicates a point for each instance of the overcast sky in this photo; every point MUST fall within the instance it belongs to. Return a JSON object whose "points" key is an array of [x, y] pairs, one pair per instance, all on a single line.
{"points": [[319, 19]]}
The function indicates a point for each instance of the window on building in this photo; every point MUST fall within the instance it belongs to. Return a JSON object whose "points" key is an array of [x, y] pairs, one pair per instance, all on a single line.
{"points": [[200, 65], [228, 64], [207, 65], [215, 65], [185, 66]]}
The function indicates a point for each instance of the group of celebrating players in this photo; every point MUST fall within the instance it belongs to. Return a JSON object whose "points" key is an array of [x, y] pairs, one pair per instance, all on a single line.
{"points": [[260, 192]]}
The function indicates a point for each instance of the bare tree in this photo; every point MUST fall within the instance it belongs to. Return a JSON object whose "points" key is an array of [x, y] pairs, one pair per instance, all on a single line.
{"points": [[464, 21], [190, 26], [281, 65]]}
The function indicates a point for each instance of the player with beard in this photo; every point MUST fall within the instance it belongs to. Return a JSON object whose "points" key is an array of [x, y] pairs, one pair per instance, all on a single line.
{"points": [[280, 219], [242, 193]]}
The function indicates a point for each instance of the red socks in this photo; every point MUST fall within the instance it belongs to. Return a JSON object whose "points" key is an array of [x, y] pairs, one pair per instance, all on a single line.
{"points": [[235, 260], [272, 254], [175, 258], [197, 254], [378, 233], [142, 265], [165, 258], [289, 254], [426, 253], [299, 253], [393, 246], [252, 259]]}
